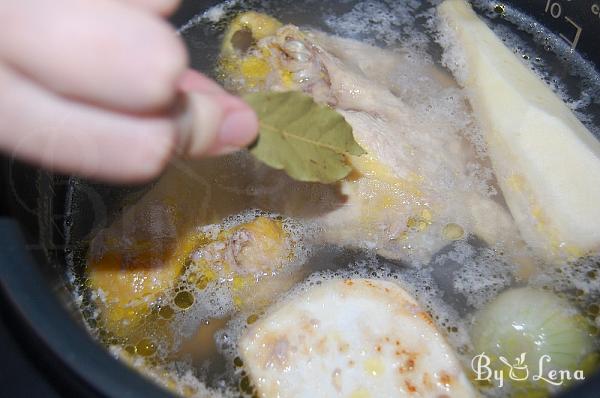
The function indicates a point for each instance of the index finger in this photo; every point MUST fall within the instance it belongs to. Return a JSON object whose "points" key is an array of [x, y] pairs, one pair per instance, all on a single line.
{"points": [[161, 7], [102, 52]]}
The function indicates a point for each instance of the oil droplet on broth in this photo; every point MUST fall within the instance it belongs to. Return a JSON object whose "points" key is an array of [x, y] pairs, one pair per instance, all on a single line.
{"points": [[166, 312], [591, 274], [184, 300], [246, 386], [499, 9], [202, 282], [453, 231], [145, 348]]}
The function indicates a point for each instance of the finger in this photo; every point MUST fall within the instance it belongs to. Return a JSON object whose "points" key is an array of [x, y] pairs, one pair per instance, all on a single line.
{"points": [[192, 80], [102, 51], [216, 122], [161, 7], [70, 137]]}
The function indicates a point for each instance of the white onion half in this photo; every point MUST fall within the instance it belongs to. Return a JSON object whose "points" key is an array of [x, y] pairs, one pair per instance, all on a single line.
{"points": [[534, 322]]}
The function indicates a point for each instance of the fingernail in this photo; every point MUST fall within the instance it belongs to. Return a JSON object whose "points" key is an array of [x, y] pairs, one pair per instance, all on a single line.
{"points": [[238, 129]]}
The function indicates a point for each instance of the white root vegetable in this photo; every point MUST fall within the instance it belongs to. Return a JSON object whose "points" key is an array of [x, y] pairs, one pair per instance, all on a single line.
{"points": [[546, 161], [351, 338]]}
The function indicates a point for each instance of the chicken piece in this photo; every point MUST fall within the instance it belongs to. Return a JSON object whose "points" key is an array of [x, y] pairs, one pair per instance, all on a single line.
{"points": [[418, 173], [243, 32], [128, 284], [246, 29], [141, 255], [351, 338], [251, 259], [258, 246]]}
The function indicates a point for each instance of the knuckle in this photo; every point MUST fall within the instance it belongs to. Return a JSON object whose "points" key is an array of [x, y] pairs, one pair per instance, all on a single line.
{"points": [[162, 7], [164, 68], [166, 7], [158, 158]]}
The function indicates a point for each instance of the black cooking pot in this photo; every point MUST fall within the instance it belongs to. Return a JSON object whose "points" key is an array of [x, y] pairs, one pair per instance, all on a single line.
{"points": [[35, 301]]}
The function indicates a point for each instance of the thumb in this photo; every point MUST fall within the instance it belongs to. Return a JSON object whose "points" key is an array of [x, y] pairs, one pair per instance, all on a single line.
{"points": [[213, 122]]}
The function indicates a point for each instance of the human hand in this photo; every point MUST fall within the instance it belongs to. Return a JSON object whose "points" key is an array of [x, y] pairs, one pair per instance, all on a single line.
{"points": [[88, 87]]}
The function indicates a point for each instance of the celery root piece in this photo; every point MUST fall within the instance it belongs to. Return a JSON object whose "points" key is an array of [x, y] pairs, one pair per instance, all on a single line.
{"points": [[546, 161], [351, 338]]}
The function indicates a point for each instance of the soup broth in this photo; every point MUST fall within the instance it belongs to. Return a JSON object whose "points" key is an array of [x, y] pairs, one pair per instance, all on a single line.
{"points": [[189, 339]]}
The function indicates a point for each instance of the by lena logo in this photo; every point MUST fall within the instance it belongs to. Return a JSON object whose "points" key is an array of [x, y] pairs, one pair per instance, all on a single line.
{"points": [[519, 370]]}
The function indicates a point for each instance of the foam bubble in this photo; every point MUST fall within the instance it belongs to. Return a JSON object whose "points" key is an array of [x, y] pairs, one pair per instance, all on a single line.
{"points": [[387, 23]]}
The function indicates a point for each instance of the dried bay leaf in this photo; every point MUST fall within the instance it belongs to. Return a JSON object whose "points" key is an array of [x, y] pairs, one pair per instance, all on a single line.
{"points": [[308, 141]]}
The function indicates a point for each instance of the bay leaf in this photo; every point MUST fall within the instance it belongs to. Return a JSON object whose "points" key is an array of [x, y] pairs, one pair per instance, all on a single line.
{"points": [[310, 142]]}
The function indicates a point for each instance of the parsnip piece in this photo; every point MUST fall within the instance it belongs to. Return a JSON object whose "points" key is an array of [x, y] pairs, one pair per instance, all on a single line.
{"points": [[546, 161], [351, 338]]}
